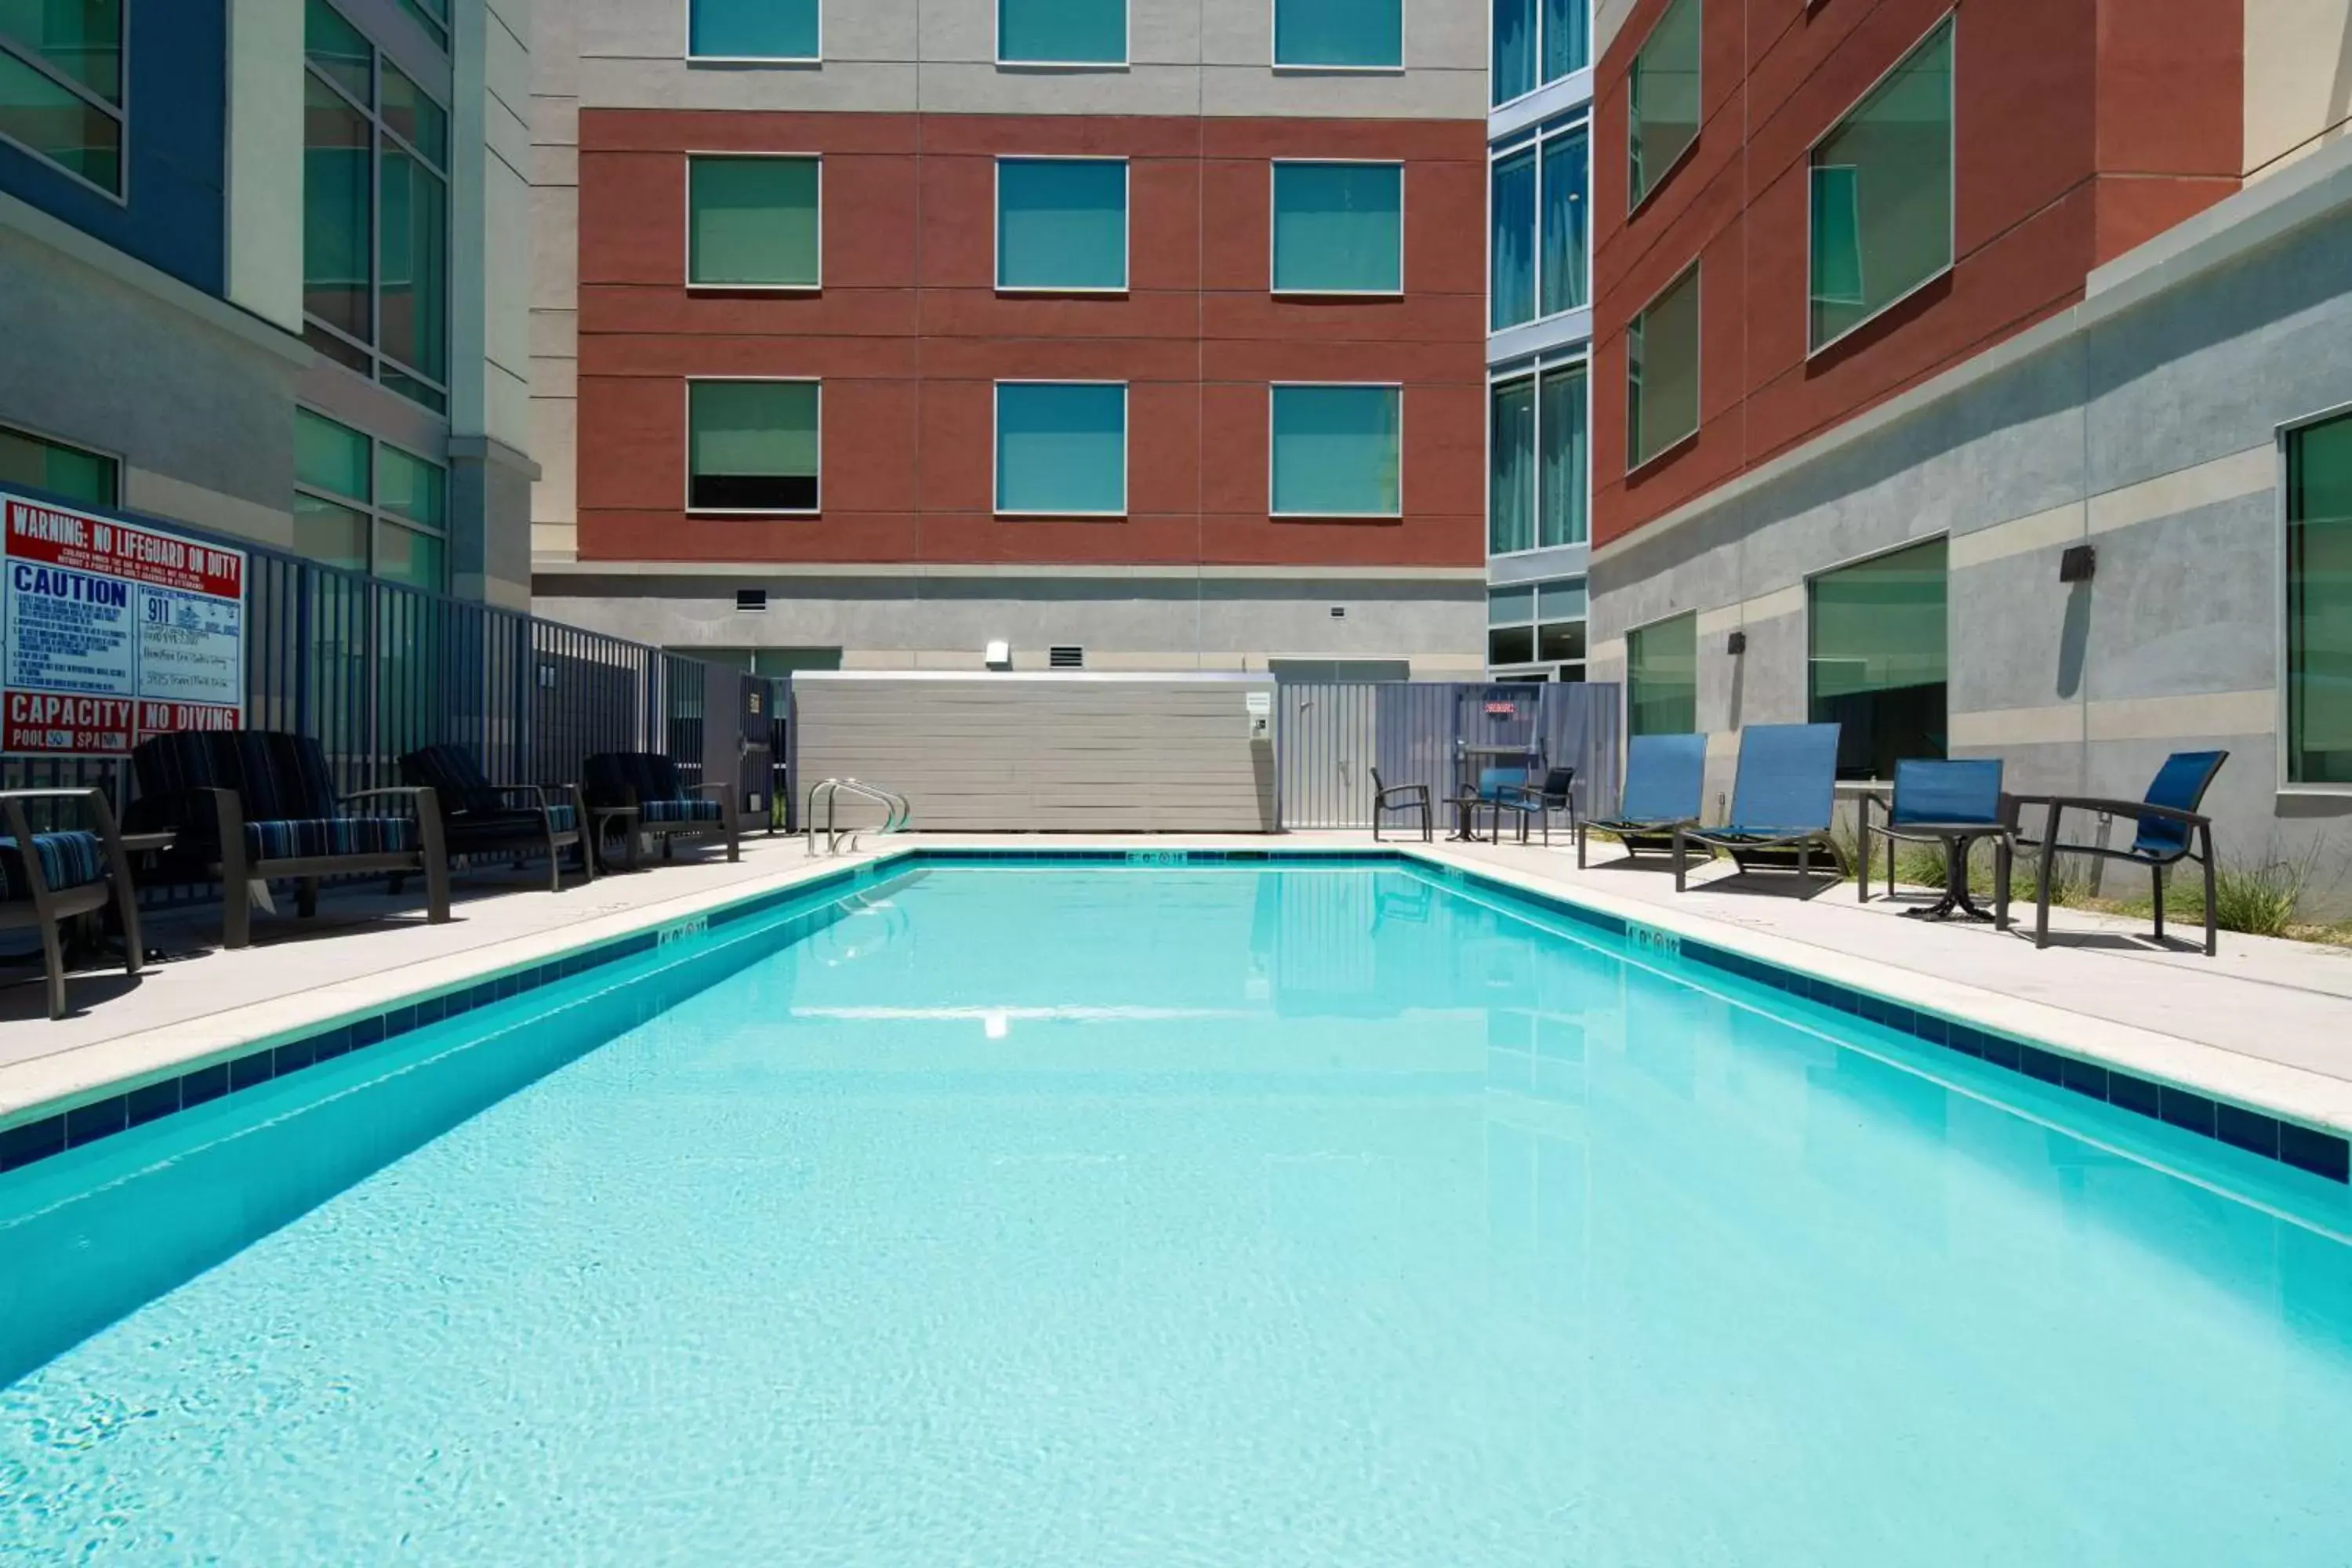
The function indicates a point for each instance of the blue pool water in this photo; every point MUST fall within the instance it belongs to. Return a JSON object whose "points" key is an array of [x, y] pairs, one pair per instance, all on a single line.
{"points": [[1211, 1216]]}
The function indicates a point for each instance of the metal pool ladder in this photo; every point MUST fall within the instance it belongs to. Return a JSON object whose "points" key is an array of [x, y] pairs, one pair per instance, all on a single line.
{"points": [[895, 807]]}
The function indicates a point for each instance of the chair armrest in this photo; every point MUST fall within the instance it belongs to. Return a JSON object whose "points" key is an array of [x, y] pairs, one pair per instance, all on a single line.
{"points": [[710, 788], [2111, 807], [79, 792], [413, 793], [1419, 792], [535, 795]]}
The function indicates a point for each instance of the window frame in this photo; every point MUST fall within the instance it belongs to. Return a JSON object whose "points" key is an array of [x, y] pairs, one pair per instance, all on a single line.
{"points": [[1273, 211], [1697, 728], [1127, 221], [1281, 66], [1534, 623], [1536, 139], [121, 461], [1542, 37], [1124, 62], [379, 129], [996, 447], [1950, 19], [1533, 372], [378, 515], [1272, 513], [119, 112], [687, 261], [687, 508], [1634, 463], [1808, 580], [1636, 200], [686, 16], [2282, 598]]}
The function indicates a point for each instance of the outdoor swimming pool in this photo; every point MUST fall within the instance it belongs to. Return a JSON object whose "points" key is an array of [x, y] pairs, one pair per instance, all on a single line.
{"points": [[1209, 1214]]}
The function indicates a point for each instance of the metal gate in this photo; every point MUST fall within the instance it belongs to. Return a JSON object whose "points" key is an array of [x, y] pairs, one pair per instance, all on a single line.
{"points": [[1330, 737]]}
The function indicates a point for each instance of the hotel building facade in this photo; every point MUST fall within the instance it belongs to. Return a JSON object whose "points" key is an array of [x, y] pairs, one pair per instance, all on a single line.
{"points": [[1975, 374], [1132, 333]]}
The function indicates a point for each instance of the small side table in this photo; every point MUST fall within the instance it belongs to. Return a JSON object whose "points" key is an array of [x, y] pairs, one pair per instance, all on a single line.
{"points": [[1956, 838], [99, 932]]}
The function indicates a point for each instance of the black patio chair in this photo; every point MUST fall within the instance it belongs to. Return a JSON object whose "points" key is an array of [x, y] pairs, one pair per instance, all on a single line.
{"points": [[2168, 819], [48, 878], [1399, 800]]}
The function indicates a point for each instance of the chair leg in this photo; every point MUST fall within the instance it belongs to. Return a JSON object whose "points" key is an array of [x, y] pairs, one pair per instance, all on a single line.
{"points": [[2042, 896], [2156, 876], [1428, 824], [2213, 923], [1678, 860], [2004, 863], [52, 959], [437, 889], [306, 897], [1579, 845], [555, 863]]}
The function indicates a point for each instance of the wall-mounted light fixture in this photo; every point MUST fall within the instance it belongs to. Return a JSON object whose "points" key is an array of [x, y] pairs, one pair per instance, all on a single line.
{"points": [[2079, 563], [1736, 643]]}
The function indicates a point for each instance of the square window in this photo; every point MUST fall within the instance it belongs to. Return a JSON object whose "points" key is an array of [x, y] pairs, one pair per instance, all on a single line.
{"points": [[752, 30], [1536, 42], [332, 457], [1340, 35], [753, 223], [411, 488], [1662, 371], [753, 445], [1061, 32], [1662, 677], [1061, 224], [1662, 100], [1338, 228], [91, 477], [1061, 450], [2319, 602], [1882, 193], [409, 556], [1876, 666], [1338, 451]]}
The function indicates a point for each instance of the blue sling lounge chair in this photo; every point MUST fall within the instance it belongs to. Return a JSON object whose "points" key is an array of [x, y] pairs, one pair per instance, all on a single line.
{"points": [[1781, 802], [1666, 775]]}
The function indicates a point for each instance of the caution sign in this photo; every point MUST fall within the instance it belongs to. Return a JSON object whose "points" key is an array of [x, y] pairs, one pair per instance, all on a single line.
{"points": [[114, 632]]}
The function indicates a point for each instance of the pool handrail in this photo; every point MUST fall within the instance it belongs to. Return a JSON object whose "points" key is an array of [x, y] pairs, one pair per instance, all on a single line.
{"points": [[897, 811]]}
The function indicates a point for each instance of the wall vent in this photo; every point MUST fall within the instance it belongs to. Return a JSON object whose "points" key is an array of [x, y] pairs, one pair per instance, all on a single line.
{"points": [[750, 598], [1066, 659]]}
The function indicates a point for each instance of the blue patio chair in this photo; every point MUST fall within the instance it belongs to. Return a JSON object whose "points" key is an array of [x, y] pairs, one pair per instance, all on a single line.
{"points": [[2168, 819], [1932, 798], [1781, 800], [1497, 789], [1665, 777]]}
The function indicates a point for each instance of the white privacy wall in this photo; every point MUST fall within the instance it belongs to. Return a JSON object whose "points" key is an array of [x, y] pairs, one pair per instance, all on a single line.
{"points": [[1060, 753]]}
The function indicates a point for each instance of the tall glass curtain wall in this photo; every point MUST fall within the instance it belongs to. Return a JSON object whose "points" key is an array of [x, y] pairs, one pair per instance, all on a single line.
{"points": [[61, 84], [1882, 193], [375, 213], [1538, 240], [2319, 602], [1537, 42], [1539, 484], [1878, 659]]}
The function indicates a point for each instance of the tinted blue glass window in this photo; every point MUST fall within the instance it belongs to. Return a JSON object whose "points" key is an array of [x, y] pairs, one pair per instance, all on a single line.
{"points": [[1061, 447], [1061, 223]]}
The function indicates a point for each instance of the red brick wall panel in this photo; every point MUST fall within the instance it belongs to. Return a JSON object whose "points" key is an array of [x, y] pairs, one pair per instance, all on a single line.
{"points": [[909, 334], [2082, 129]]}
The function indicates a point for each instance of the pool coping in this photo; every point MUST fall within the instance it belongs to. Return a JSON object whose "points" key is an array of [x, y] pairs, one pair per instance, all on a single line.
{"points": [[77, 1096]]}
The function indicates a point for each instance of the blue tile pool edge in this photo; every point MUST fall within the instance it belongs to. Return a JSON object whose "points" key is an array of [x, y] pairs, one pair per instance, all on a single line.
{"points": [[2313, 1150], [268, 1058], [2317, 1150]]}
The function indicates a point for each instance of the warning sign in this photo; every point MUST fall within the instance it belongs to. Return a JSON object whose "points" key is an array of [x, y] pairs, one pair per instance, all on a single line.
{"points": [[114, 632]]}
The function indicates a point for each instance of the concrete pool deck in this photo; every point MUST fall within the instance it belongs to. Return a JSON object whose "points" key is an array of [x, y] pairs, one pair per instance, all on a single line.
{"points": [[2267, 1024]]}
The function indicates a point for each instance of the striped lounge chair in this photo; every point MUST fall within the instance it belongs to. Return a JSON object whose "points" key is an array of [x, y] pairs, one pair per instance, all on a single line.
{"points": [[254, 805], [71, 872], [479, 817], [642, 792]]}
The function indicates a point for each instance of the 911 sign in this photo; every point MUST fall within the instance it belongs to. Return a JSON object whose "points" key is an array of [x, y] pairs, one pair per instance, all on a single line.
{"points": [[114, 632]]}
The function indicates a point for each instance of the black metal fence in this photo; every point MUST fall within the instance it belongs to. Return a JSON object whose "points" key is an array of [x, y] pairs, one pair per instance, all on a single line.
{"points": [[376, 669], [1329, 739]]}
